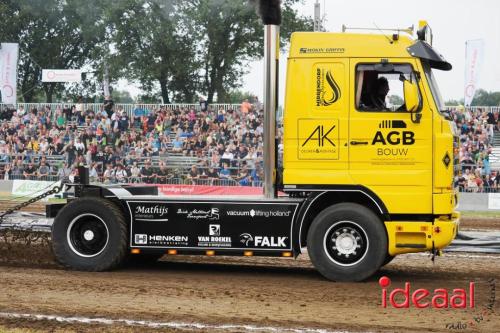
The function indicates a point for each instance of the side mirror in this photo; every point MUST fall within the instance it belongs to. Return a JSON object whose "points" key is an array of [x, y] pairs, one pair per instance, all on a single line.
{"points": [[412, 99]]}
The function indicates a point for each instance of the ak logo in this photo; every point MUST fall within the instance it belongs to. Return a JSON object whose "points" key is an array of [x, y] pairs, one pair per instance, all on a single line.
{"points": [[320, 136], [318, 139], [327, 90]]}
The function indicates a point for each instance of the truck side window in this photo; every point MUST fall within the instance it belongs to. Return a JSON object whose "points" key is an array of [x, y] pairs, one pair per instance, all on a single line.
{"points": [[380, 89]]}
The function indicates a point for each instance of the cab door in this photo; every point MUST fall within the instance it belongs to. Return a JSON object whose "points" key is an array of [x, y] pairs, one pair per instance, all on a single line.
{"points": [[390, 150], [316, 121]]}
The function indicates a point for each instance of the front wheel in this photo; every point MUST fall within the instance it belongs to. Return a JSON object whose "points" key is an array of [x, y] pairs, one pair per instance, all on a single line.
{"points": [[89, 234], [347, 242], [388, 259]]}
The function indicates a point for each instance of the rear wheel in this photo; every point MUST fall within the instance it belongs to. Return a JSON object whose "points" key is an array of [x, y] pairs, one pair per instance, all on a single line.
{"points": [[89, 234], [347, 242]]}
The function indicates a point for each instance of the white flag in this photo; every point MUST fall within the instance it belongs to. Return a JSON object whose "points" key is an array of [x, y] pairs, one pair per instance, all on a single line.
{"points": [[474, 52], [8, 72]]}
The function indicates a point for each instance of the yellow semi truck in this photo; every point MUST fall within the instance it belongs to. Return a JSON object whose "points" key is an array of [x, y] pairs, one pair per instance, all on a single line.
{"points": [[390, 166], [362, 179]]}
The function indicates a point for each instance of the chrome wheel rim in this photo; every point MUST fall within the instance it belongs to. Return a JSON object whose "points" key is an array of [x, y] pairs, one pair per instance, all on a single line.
{"points": [[87, 235], [346, 243]]}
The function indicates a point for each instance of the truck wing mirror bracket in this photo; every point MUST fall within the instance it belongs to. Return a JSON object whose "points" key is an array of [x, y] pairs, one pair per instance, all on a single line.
{"points": [[412, 100]]}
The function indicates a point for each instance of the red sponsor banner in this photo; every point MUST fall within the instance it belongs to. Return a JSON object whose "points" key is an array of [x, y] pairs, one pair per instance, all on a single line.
{"points": [[208, 190]]}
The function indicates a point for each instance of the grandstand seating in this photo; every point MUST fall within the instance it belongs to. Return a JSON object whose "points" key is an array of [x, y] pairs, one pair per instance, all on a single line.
{"points": [[479, 151]]}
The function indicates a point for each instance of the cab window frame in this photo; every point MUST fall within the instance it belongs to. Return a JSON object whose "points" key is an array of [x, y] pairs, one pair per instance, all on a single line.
{"points": [[356, 83]]}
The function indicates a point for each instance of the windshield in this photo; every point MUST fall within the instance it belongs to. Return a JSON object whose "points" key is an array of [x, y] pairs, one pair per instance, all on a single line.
{"points": [[434, 88]]}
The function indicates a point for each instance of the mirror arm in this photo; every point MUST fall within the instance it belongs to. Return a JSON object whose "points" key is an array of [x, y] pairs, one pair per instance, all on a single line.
{"points": [[418, 113], [416, 116]]}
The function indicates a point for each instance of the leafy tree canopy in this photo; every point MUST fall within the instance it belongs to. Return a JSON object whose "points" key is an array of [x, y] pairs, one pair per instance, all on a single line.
{"points": [[178, 48]]}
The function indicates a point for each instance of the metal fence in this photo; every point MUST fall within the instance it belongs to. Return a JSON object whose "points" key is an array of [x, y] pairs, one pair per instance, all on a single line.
{"points": [[188, 181], [476, 108], [143, 180], [128, 108]]}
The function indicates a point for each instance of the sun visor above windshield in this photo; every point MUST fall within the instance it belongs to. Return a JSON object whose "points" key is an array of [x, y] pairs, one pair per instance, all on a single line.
{"points": [[424, 51]]}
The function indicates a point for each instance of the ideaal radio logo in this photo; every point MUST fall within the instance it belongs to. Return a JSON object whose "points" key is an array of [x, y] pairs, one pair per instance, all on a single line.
{"points": [[327, 90], [442, 298]]}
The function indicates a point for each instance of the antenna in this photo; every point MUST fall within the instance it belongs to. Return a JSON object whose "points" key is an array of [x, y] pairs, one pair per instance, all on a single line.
{"points": [[376, 26], [408, 30]]}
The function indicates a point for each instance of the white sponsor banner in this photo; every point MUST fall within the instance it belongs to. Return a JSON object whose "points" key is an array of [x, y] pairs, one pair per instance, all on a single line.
{"points": [[32, 188], [494, 201], [61, 75], [8, 72], [474, 52]]}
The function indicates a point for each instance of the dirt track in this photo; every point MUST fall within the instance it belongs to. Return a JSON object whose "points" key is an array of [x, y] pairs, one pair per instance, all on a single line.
{"points": [[263, 292], [280, 293]]}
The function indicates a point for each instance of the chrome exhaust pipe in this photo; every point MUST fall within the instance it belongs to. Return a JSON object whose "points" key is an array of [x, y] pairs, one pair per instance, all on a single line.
{"points": [[271, 59], [270, 13]]}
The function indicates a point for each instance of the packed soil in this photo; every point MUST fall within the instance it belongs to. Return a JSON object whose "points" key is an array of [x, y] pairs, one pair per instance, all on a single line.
{"points": [[37, 207], [479, 223], [276, 293], [210, 292]]}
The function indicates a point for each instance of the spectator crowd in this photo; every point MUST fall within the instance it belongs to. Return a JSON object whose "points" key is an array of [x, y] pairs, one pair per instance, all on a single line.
{"points": [[118, 148], [215, 146], [476, 131]]}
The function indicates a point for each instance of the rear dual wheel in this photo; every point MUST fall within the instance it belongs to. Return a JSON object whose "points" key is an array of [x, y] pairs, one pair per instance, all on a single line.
{"points": [[347, 242]]}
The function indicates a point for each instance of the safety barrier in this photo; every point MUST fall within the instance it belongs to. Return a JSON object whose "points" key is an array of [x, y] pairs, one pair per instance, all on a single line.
{"points": [[128, 108], [30, 188], [476, 108]]}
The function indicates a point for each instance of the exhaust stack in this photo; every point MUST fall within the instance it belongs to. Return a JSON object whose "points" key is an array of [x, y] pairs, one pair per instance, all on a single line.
{"points": [[270, 13]]}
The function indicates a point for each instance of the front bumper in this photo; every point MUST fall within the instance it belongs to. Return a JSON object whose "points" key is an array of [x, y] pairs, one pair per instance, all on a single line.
{"points": [[417, 236]]}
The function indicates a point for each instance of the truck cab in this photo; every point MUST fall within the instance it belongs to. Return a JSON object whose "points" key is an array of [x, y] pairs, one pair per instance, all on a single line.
{"points": [[346, 141]]}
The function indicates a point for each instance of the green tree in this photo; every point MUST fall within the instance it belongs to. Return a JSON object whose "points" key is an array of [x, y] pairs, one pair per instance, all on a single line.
{"points": [[395, 100], [485, 98], [238, 96], [59, 34], [180, 47], [454, 102], [229, 35], [154, 49], [15, 21], [89, 89], [121, 96], [148, 98]]}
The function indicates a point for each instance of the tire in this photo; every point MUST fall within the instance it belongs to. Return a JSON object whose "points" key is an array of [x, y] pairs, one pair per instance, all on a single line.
{"points": [[90, 234], [388, 259], [347, 242]]}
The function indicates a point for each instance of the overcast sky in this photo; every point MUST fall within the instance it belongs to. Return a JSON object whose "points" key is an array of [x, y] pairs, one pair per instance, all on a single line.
{"points": [[452, 22]]}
